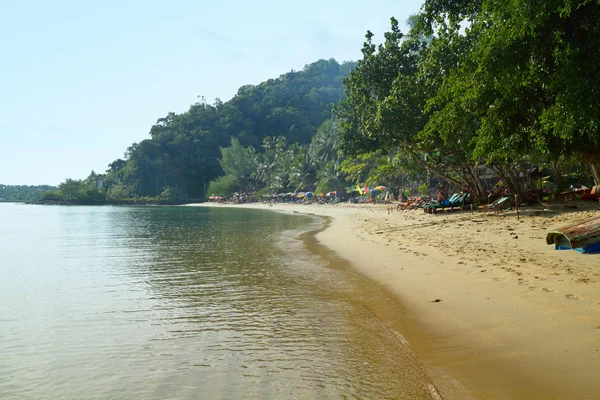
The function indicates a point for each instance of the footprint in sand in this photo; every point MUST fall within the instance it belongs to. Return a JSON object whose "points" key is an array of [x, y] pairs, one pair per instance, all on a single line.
{"points": [[571, 296], [547, 290]]}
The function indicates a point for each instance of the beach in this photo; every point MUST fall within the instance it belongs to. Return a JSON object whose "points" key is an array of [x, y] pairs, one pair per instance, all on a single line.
{"points": [[490, 309]]}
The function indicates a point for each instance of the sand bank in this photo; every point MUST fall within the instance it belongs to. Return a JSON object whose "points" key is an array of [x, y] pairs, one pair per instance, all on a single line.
{"points": [[491, 310]]}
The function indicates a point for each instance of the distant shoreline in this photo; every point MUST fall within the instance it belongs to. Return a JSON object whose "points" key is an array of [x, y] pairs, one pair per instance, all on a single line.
{"points": [[124, 203], [515, 318]]}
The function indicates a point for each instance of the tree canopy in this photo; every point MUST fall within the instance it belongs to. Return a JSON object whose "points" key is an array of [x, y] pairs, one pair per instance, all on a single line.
{"points": [[186, 151], [474, 86], [498, 83], [23, 192]]}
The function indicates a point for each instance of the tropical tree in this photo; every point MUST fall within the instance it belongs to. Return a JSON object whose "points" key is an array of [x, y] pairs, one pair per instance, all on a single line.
{"points": [[238, 162], [303, 169]]}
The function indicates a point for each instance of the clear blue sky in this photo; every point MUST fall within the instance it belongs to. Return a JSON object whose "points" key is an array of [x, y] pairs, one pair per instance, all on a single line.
{"points": [[80, 81]]}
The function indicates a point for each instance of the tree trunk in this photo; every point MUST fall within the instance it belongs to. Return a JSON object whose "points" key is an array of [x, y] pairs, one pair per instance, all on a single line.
{"points": [[596, 171], [510, 180], [435, 171], [518, 187], [557, 176], [479, 191]]}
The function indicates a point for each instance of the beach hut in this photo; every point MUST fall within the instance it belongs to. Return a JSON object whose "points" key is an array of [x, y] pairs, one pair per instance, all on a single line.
{"points": [[583, 237]]}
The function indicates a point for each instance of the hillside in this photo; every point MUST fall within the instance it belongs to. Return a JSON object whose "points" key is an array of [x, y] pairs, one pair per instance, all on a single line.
{"points": [[23, 192], [182, 153]]}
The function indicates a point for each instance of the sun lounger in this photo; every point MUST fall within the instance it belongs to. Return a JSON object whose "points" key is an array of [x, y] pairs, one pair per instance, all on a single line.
{"points": [[502, 203], [417, 203], [404, 206], [457, 200], [441, 204], [413, 203], [461, 201], [434, 203]]}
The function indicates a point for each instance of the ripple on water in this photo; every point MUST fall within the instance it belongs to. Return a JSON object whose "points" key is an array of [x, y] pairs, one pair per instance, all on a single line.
{"points": [[174, 302]]}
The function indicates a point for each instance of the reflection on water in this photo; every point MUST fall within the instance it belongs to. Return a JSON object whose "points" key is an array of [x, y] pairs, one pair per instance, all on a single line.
{"points": [[183, 302]]}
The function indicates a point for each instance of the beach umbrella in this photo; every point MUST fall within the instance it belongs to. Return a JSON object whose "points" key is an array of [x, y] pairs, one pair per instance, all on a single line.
{"points": [[300, 195], [382, 188], [321, 195], [308, 194]]}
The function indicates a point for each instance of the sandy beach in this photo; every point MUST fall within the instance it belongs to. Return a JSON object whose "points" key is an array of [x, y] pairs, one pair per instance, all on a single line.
{"points": [[491, 310]]}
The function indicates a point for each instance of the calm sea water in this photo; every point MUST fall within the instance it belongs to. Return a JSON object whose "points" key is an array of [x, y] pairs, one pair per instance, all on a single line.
{"points": [[185, 303]]}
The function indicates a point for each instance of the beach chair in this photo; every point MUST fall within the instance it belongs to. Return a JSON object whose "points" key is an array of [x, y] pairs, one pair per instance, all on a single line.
{"points": [[434, 206], [458, 201], [417, 204], [403, 206], [503, 203], [461, 201]]}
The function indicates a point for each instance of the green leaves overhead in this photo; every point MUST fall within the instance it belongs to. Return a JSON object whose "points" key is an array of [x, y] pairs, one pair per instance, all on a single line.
{"points": [[480, 82]]}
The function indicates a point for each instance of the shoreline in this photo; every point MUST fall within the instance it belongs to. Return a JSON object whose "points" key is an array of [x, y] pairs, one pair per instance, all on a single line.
{"points": [[516, 319]]}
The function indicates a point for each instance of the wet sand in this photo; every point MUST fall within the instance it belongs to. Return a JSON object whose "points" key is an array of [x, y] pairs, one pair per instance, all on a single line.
{"points": [[490, 309]]}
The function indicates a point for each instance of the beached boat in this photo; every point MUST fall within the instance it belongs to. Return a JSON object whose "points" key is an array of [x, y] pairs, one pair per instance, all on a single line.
{"points": [[583, 237]]}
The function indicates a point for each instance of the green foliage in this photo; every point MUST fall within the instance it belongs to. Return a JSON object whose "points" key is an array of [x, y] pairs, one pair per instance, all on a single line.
{"points": [[331, 177], [239, 163], [52, 195], [282, 168], [423, 189], [171, 196], [303, 169], [521, 82], [23, 192], [224, 186], [77, 192], [496, 83], [118, 193], [278, 118], [184, 150]]}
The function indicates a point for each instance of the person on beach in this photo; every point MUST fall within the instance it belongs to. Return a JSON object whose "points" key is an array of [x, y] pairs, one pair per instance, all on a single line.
{"points": [[442, 195]]}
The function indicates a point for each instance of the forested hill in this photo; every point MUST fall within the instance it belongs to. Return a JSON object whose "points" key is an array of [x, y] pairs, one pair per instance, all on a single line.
{"points": [[182, 153], [23, 192]]}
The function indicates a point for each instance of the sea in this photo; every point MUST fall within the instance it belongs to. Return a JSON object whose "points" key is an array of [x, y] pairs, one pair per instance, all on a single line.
{"points": [[190, 303]]}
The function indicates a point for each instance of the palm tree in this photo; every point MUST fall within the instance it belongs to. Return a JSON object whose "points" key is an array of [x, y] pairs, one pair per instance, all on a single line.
{"points": [[304, 169], [325, 145]]}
